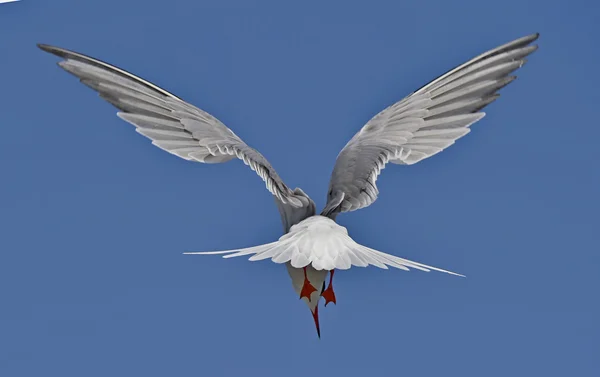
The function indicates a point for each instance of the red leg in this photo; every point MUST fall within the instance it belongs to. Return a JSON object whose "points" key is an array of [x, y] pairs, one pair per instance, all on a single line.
{"points": [[328, 294], [307, 287]]}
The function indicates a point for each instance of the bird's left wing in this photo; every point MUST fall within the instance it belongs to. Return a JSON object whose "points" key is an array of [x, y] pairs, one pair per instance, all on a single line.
{"points": [[171, 123], [422, 124]]}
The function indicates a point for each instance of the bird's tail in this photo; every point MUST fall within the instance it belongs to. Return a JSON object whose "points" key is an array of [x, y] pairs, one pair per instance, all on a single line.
{"points": [[316, 278]]}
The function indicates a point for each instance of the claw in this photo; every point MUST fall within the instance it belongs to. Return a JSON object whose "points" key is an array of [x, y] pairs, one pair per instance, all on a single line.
{"points": [[307, 288], [328, 293]]}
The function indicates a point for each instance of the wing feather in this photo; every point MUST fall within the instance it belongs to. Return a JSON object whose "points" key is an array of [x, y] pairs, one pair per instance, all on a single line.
{"points": [[171, 123], [421, 125]]}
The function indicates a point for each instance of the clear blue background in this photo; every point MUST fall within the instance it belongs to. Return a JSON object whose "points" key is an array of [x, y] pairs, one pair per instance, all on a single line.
{"points": [[94, 219]]}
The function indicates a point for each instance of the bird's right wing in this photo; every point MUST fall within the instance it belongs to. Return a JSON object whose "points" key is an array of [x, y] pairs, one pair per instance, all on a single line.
{"points": [[422, 124], [171, 123]]}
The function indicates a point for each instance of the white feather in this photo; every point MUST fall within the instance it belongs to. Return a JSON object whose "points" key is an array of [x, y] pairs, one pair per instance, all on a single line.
{"points": [[321, 243]]}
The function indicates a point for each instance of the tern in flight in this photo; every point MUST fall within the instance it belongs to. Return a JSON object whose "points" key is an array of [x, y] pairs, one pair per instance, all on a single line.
{"points": [[422, 124]]}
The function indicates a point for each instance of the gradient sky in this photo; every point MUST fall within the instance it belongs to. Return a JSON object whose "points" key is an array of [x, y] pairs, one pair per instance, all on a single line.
{"points": [[94, 219]]}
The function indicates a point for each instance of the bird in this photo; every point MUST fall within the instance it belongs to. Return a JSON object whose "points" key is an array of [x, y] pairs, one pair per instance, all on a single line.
{"points": [[313, 245]]}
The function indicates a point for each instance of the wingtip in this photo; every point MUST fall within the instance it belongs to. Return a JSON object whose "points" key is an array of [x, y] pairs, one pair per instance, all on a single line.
{"points": [[60, 52], [530, 38], [50, 49], [533, 38], [533, 47], [44, 47]]}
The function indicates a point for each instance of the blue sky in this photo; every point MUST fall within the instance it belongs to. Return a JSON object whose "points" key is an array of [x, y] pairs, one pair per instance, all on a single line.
{"points": [[93, 219]]}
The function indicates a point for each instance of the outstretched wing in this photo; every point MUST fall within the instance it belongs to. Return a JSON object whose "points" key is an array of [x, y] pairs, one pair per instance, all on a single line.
{"points": [[422, 124], [171, 123]]}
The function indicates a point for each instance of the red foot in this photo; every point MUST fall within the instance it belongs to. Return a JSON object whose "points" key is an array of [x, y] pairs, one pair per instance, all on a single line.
{"points": [[328, 294], [307, 290]]}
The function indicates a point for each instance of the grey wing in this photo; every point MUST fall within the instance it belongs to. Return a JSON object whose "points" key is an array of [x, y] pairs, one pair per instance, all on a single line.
{"points": [[422, 124], [291, 215], [171, 123]]}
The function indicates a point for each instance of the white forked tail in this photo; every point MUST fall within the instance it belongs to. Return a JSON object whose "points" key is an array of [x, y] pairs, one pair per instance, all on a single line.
{"points": [[238, 252], [320, 242]]}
